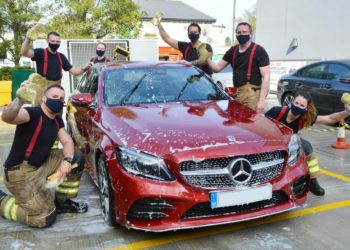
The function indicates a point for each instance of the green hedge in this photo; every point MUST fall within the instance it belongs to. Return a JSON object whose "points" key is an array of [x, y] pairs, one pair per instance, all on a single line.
{"points": [[5, 72]]}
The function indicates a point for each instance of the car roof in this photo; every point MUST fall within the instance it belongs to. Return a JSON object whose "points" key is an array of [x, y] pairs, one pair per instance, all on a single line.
{"points": [[331, 61], [136, 64]]}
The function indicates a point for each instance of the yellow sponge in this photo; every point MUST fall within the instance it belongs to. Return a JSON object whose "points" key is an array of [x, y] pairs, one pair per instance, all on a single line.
{"points": [[33, 90], [203, 53], [345, 98]]}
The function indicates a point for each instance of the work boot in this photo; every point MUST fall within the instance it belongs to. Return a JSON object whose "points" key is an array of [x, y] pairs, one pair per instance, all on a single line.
{"points": [[2, 196], [315, 188], [69, 206]]}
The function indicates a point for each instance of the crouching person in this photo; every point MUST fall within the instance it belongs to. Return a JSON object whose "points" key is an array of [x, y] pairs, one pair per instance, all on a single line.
{"points": [[302, 113], [31, 161]]}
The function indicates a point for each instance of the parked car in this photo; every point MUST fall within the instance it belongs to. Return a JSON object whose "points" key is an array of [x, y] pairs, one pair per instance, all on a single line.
{"points": [[168, 149], [224, 77], [326, 81]]}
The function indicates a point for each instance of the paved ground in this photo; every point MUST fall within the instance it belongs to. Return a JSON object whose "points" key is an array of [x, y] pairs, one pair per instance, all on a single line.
{"points": [[322, 223]]}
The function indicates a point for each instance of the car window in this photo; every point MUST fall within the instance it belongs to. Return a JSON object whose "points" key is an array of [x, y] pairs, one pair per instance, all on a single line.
{"points": [[158, 85], [335, 71], [313, 71], [89, 82]]}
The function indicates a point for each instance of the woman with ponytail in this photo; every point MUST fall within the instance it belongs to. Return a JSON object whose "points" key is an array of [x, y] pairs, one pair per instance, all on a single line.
{"points": [[302, 113]]}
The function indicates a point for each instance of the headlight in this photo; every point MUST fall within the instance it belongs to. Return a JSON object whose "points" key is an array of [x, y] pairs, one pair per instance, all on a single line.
{"points": [[294, 149], [143, 164]]}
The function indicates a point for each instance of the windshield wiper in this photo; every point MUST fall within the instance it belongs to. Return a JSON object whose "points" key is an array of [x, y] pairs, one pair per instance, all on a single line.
{"points": [[190, 79], [132, 91]]}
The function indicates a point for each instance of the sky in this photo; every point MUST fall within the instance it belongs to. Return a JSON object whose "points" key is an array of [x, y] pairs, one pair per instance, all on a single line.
{"points": [[222, 10]]}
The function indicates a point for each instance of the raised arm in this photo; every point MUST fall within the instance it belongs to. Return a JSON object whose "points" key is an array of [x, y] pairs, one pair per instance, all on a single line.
{"points": [[165, 36], [14, 113], [26, 50]]}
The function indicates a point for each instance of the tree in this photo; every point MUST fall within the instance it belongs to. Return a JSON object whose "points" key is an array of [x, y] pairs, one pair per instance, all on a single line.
{"points": [[15, 17], [95, 18], [249, 16]]}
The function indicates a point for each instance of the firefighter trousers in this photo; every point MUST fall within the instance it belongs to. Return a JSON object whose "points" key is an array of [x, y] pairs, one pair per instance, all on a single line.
{"points": [[32, 203], [248, 95]]}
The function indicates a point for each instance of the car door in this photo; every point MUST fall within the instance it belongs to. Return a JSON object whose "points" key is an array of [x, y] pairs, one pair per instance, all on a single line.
{"points": [[311, 79], [338, 76], [84, 115]]}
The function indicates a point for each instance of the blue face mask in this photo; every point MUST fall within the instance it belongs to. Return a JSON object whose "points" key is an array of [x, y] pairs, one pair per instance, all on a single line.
{"points": [[100, 52], [242, 39], [296, 110], [55, 105]]}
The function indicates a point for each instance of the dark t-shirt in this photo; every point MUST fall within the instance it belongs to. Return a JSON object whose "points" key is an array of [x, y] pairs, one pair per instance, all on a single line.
{"points": [[294, 125], [193, 55], [53, 64], [96, 60], [261, 59], [23, 135]]}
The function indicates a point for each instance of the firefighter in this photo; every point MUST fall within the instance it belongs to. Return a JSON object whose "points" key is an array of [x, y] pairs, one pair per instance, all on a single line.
{"points": [[50, 62], [302, 113], [100, 54], [31, 161]]}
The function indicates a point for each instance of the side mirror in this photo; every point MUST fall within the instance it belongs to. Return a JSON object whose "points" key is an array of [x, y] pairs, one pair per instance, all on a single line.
{"points": [[231, 91], [83, 99], [344, 78]]}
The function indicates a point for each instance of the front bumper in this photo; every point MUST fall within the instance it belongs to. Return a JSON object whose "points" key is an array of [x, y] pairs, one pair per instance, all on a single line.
{"points": [[162, 206]]}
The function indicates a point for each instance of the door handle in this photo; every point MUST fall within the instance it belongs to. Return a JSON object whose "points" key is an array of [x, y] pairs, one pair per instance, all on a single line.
{"points": [[327, 85]]}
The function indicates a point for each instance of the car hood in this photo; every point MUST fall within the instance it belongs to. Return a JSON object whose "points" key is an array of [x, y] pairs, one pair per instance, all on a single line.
{"points": [[211, 126]]}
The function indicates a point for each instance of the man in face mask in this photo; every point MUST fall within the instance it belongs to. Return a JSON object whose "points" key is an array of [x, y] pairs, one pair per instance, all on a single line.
{"points": [[189, 50], [31, 161], [100, 52], [251, 68], [49, 62]]}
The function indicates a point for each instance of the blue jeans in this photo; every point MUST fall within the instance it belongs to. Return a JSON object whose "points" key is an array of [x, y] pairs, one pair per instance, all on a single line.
{"points": [[307, 147]]}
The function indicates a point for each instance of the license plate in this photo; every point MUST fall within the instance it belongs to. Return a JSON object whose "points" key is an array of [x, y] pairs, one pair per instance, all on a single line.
{"points": [[240, 197]]}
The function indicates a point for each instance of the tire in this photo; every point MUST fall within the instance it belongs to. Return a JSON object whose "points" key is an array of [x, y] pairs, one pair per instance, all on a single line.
{"points": [[287, 99], [106, 194]]}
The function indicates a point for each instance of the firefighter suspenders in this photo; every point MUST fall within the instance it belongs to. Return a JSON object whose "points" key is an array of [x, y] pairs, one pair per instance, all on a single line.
{"points": [[250, 63], [96, 59], [46, 62], [282, 112], [35, 137]]}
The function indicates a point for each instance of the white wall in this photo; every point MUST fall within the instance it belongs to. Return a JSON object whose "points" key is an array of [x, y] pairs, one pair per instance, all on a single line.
{"points": [[319, 26]]}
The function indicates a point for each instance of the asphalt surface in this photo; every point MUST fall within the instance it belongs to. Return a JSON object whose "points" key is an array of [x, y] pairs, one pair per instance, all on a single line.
{"points": [[321, 223]]}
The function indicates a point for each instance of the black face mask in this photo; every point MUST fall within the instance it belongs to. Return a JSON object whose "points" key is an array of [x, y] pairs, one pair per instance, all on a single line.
{"points": [[54, 46], [296, 110], [55, 105], [243, 39], [193, 37], [100, 52]]}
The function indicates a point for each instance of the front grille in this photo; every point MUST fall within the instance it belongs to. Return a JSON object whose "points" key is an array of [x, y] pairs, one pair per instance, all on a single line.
{"points": [[214, 173], [204, 210]]}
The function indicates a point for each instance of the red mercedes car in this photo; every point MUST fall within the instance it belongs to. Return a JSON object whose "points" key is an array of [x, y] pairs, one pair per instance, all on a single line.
{"points": [[169, 149]]}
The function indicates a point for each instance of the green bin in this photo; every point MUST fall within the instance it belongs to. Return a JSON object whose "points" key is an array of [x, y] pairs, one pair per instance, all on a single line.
{"points": [[19, 76]]}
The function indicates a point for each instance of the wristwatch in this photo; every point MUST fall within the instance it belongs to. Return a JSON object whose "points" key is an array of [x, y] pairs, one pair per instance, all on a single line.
{"points": [[68, 159]]}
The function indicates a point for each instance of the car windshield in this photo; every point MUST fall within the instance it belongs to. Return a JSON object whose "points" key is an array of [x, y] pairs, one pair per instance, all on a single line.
{"points": [[158, 85]]}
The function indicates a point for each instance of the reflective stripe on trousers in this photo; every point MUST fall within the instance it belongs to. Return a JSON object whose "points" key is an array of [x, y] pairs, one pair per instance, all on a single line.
{"points": [[314, 168], [10, 209]]}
